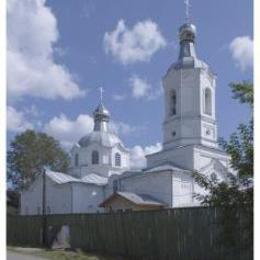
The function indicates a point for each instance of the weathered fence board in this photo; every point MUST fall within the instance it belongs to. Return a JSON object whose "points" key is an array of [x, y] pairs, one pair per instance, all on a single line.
{"points": [[178, 234]]}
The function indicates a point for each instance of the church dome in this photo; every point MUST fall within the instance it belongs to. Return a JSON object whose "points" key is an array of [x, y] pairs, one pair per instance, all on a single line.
{"points": [[101, 134], [187, 54], [107, 139], [187, 32], [101, 110]]}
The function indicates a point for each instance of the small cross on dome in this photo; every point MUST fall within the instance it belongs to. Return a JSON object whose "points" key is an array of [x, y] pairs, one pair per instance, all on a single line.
{"points": [[101, 94], [187, 11]]}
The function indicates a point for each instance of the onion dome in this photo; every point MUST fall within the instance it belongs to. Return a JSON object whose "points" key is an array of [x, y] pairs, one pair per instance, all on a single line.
{"points": [[187, 54], [101, 118], [101, 135], [106, 139], [187, 32]]}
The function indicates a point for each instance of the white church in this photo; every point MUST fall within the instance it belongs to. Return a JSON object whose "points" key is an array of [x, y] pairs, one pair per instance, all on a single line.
{"points": [[100, 178]]}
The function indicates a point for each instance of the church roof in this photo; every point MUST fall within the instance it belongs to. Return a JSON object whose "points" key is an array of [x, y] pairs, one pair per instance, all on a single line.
{"points": [[107, 139], [187, 53], [101, 110], [165, 167], [138, 199], [95, 179], [61, 178]]}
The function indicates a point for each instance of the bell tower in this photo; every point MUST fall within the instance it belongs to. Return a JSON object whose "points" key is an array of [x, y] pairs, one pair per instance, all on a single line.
{"points": [[189, 93], [189, 124]]}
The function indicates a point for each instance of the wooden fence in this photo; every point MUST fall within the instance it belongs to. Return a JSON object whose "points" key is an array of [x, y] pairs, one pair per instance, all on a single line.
{"points": [[176, 234]]}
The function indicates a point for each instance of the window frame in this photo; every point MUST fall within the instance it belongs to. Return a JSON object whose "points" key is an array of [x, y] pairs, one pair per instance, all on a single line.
{"points": [[207, 100], [118, 159], [95, 157], [173, 102], [76, 160]]}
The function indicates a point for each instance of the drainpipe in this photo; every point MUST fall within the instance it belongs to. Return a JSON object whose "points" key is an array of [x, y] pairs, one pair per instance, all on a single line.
{"points": [[44, 218], [171, 189]]}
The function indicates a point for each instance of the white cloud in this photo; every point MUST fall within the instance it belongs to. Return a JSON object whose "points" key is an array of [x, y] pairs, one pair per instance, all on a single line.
{"points": [[69, 131], [16, 120], [32, 111], [138, 153], [118, 97], [31, 68], [122, 128], [242, 51], [136, 44], [142, 89]]}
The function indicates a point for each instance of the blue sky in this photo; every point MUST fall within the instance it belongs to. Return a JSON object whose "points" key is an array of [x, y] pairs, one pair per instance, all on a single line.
{"points": [[58, 58]]}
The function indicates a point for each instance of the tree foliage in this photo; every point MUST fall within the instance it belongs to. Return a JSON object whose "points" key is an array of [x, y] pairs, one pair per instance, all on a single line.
{"points": [[29, 153], [235, 195], [243, 91], [238, 189], [240, 148], [234, 192]]}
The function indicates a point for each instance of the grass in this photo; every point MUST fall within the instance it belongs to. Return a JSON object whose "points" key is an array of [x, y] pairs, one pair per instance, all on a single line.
{"points": [[62, 254]]}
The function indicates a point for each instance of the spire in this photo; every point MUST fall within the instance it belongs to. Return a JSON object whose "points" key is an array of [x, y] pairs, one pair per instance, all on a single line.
{"points": [[101, 115], [101, 94], [187, 35], [187, 11]]}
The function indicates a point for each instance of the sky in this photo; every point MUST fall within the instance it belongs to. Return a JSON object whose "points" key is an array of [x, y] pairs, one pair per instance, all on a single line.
{"points": [[61, 52]]}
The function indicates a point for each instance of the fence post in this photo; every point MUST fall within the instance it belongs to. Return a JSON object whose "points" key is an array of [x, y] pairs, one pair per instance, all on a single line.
{"points": [[44, 220]]}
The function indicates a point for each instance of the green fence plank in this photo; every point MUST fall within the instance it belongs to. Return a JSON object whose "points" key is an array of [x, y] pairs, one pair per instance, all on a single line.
{"points": [[179, 234]]}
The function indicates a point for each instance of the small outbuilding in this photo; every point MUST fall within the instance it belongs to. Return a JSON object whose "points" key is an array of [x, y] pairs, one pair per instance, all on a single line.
{"points": [[125, 201]]}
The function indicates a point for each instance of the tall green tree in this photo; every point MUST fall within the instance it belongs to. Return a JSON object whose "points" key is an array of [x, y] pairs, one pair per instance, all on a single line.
{"points": [[235, 197], [239, 189], [29, 153], [241, 143]]}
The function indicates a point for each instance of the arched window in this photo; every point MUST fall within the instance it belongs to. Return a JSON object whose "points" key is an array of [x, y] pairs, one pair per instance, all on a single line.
{"points": [[117, 159], [173, 103], [95, 157], [76, 159], [208, 102]]}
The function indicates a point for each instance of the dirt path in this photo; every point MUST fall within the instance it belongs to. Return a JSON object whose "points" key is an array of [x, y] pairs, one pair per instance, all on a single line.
{"points": [[19, 256]]}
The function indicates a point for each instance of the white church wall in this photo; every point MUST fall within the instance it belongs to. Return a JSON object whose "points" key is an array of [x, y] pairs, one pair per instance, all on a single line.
{"points": [[87, 197], [58, 198], [207, 80], [203, 156], [182, 157], [191, 157], [208, 131], [185, 83], [85, 161], [106, 160], [182, 190], [191, 124], [156, 184], [124, 157], [30, 199], [173, 188]]}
